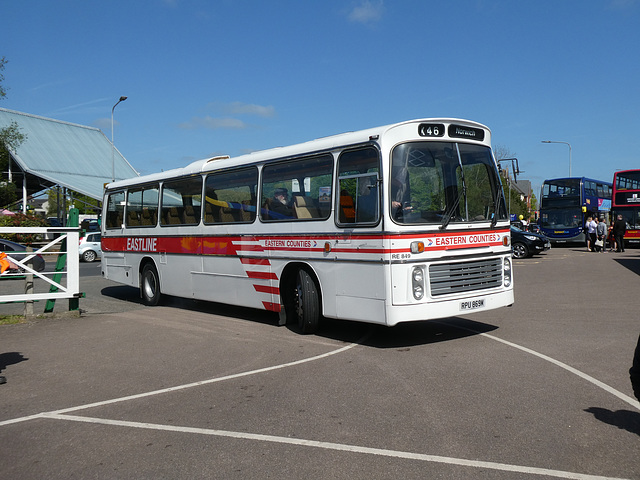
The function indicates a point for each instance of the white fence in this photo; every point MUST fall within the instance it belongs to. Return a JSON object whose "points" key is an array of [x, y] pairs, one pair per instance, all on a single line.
{"points": [[64, 283]]}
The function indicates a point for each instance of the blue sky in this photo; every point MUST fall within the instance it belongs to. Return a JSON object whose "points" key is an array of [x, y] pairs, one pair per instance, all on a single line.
{"points": [[230, 76]]}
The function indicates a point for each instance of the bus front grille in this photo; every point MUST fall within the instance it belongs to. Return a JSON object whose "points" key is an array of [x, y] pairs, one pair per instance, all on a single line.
{"points": [[447, 278]]}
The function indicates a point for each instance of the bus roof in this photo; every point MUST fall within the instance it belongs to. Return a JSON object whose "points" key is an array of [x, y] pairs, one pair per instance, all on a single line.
{"points": [[576, 178], [317, 145]]}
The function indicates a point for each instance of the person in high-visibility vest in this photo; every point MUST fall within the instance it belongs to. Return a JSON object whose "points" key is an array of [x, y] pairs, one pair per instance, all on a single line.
{"points": [[5, 263]]}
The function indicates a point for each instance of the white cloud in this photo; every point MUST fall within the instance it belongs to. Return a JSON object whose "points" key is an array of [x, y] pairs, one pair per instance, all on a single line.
{"points": [[239, 108], [367, 11], [228, 118], [212, 123]]}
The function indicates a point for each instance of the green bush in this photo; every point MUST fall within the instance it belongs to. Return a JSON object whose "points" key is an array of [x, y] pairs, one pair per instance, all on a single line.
{"points": [[22, 220]]}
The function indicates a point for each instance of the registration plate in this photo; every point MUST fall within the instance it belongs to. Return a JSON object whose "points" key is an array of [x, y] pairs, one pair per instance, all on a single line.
{"points": [[472, 304]]}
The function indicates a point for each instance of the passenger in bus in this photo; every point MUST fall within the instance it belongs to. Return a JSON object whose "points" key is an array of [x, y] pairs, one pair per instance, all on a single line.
{"points": [[279, 206]]}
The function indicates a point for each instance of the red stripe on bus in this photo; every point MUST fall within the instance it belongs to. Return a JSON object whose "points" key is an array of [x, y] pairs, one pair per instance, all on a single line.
{"points": [[267, 289], [255, 261], [262, 275]]}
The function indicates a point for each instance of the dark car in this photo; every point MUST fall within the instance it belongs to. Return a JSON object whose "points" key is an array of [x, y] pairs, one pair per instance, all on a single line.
{"points": [[526, 244], [18, 252]]}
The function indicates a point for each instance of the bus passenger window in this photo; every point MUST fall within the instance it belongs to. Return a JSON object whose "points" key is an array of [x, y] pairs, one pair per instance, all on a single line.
{"points": [[115, 210], [298, 189], [181, 201], [230, 196], [358, 175]]}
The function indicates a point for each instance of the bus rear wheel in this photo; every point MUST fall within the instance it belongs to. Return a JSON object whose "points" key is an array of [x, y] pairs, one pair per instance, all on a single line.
{"points": [[150, 285], [306, 303]]}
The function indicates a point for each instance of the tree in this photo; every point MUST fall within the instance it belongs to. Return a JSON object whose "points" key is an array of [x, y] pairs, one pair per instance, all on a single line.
{"points": [[85, 205], [10, 139], [515, 204]]}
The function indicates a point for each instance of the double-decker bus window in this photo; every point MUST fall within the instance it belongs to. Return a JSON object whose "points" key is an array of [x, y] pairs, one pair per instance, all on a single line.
{"points": [[115, 210], [358, 175], [181, 201], [230, 197], [142, 206], [298, 189]]}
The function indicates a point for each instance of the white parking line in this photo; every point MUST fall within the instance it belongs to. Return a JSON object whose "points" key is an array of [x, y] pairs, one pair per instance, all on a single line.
{"points": [[185, 386], [625, 398], [337, 446], [62, 414]]}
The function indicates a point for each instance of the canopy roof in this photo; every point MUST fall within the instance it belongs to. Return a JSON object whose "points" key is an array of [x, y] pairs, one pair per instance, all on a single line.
{"points": [[60, 153]]}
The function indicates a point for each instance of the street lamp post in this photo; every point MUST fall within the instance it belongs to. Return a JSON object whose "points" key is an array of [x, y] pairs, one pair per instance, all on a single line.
{"points": [[566, 143], [113, 153]]}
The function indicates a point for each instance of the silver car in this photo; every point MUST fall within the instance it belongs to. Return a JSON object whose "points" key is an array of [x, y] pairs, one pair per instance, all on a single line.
{"points": [[89, 248]]}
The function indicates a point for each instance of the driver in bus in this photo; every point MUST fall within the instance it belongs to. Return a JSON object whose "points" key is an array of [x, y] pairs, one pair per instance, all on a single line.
{"points": [[400, 202]]}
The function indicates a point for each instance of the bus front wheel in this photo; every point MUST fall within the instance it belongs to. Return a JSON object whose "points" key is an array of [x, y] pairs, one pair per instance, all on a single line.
{"points": [[150, 285], [306, 303]]}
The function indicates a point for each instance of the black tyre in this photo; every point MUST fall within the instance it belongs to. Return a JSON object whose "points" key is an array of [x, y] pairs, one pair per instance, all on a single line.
{"points": [[89, 256], [519, 250], [306, 303], [150, 285]]}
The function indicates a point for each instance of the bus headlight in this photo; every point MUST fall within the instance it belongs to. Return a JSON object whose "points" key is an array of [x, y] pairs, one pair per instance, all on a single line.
{"points": [[507, 272], [417, 282]]}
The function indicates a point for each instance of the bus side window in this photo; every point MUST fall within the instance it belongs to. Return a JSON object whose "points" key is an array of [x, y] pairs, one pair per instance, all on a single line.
{"points": [[293, 190], [358, 174], [181, 201], [230, 196], [115, 209]]}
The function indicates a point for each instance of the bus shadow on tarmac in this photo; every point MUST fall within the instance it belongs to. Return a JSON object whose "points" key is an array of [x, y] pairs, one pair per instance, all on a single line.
{"points": [[378, 336], [410, 334]]}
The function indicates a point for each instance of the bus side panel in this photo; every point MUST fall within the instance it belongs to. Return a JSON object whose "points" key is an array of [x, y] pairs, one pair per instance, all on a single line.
{"points": [[115, 268], [360, 292], [226, 280]]}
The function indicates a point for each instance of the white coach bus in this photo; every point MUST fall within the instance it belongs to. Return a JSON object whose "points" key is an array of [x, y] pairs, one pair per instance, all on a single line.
{"points": [[405, 222]]}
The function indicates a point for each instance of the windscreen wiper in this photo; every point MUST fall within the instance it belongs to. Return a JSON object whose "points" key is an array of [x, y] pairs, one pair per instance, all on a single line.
{"points": [[500, 195], [454, 207], [452, 210]]}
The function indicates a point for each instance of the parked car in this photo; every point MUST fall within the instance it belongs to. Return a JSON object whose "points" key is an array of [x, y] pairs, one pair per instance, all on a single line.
{"points": [[90, 225], [89, 248], [526, 244], [19, 252]]}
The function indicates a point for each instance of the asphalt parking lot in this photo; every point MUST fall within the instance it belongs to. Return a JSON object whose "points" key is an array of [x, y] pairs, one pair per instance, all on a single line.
{"points": [[199, 390]]}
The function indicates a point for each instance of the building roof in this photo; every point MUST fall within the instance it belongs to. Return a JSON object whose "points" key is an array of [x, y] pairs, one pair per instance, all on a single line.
{"points": [[60, 153]]}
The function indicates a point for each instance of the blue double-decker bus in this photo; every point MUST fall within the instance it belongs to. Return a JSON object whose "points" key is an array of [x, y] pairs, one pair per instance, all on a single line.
{"points": [[566, 203]]}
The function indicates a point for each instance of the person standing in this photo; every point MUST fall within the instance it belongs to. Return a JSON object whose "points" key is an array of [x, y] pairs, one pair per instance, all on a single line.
{"points": [[591, 234], [601, 233], [619, 229]]}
